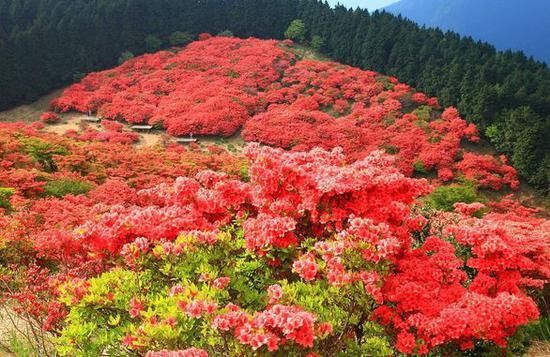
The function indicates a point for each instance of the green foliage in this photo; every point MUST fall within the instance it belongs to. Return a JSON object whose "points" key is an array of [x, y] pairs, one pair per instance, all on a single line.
{"points": [[493, 133], [419, 167], [5, 194], [525, 136], [180, 38], [60, 188], [17, 345], [152, 43], [43, 152], [226, 33], [524, 337], [373, 343], [296, 31], [98, 322], [231, 73], [444, 197], [125, 56], [317, 43], [244, 173], [100, 316], [101, 319], [423, 112]]}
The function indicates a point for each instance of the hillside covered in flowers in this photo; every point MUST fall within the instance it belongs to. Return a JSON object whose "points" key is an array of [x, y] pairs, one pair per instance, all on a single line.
{"points": [[354, 222]]}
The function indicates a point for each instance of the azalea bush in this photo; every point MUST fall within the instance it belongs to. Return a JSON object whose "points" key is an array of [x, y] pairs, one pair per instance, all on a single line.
{"points": [[235, 307], [50, 118]]}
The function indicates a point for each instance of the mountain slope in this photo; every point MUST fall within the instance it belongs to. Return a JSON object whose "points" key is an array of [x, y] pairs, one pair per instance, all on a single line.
{"points": [[503, 23], [374, 210]]}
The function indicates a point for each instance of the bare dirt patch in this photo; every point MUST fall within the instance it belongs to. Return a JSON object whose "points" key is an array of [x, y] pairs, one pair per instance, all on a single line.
{"points": [[30, 112]]}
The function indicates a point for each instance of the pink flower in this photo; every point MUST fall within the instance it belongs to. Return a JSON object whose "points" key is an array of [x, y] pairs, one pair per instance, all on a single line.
{"points": [[275, 293], [324, 329], [221, 283], [306, 267], [210, 307], [129, 341], [136, 307], [195, 308], [176, 289]]}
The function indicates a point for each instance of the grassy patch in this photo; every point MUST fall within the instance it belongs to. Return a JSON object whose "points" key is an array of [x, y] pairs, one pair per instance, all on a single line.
{"points": [[60, 188], [444, 197]]}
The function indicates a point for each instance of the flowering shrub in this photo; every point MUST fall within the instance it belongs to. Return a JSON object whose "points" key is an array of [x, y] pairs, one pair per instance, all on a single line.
{"points": [[331, 247], [468, 282], [50, 118]]}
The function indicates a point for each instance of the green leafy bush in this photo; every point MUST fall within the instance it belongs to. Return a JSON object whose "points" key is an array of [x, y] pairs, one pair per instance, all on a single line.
{"points": [[43, 152], [317, 43], [420, 167], [179, 38], [444, 197], [226, 33], [5, 194], [152, 43], [296, 31], [125, 56], [60, 188], [150, 302]]}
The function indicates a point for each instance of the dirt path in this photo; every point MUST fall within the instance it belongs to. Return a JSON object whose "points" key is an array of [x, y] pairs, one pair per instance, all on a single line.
{"points": [[30, 112]]}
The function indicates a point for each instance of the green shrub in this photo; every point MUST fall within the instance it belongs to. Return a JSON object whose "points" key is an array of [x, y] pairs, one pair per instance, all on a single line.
{"points": [[420, 167], [296, 31], [179, 38], [152, 43], [245, 176], [60, 188], [5, 194], [444, 197], [43, 152], [423, 112], [317, 43], [226, 33], [120, 305], [125, 56]]}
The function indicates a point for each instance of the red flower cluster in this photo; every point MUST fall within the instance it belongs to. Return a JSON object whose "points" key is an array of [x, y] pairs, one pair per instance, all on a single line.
{"points": [[276, 325], [488, 171], [211, 87], [50, 118], [433, 300]]}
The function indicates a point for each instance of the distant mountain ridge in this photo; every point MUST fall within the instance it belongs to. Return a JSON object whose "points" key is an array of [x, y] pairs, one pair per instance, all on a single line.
{"points": [[506, 24]]}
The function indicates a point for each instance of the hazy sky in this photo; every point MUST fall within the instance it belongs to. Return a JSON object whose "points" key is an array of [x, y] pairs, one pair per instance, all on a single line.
{"points": [[369, 4]]}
